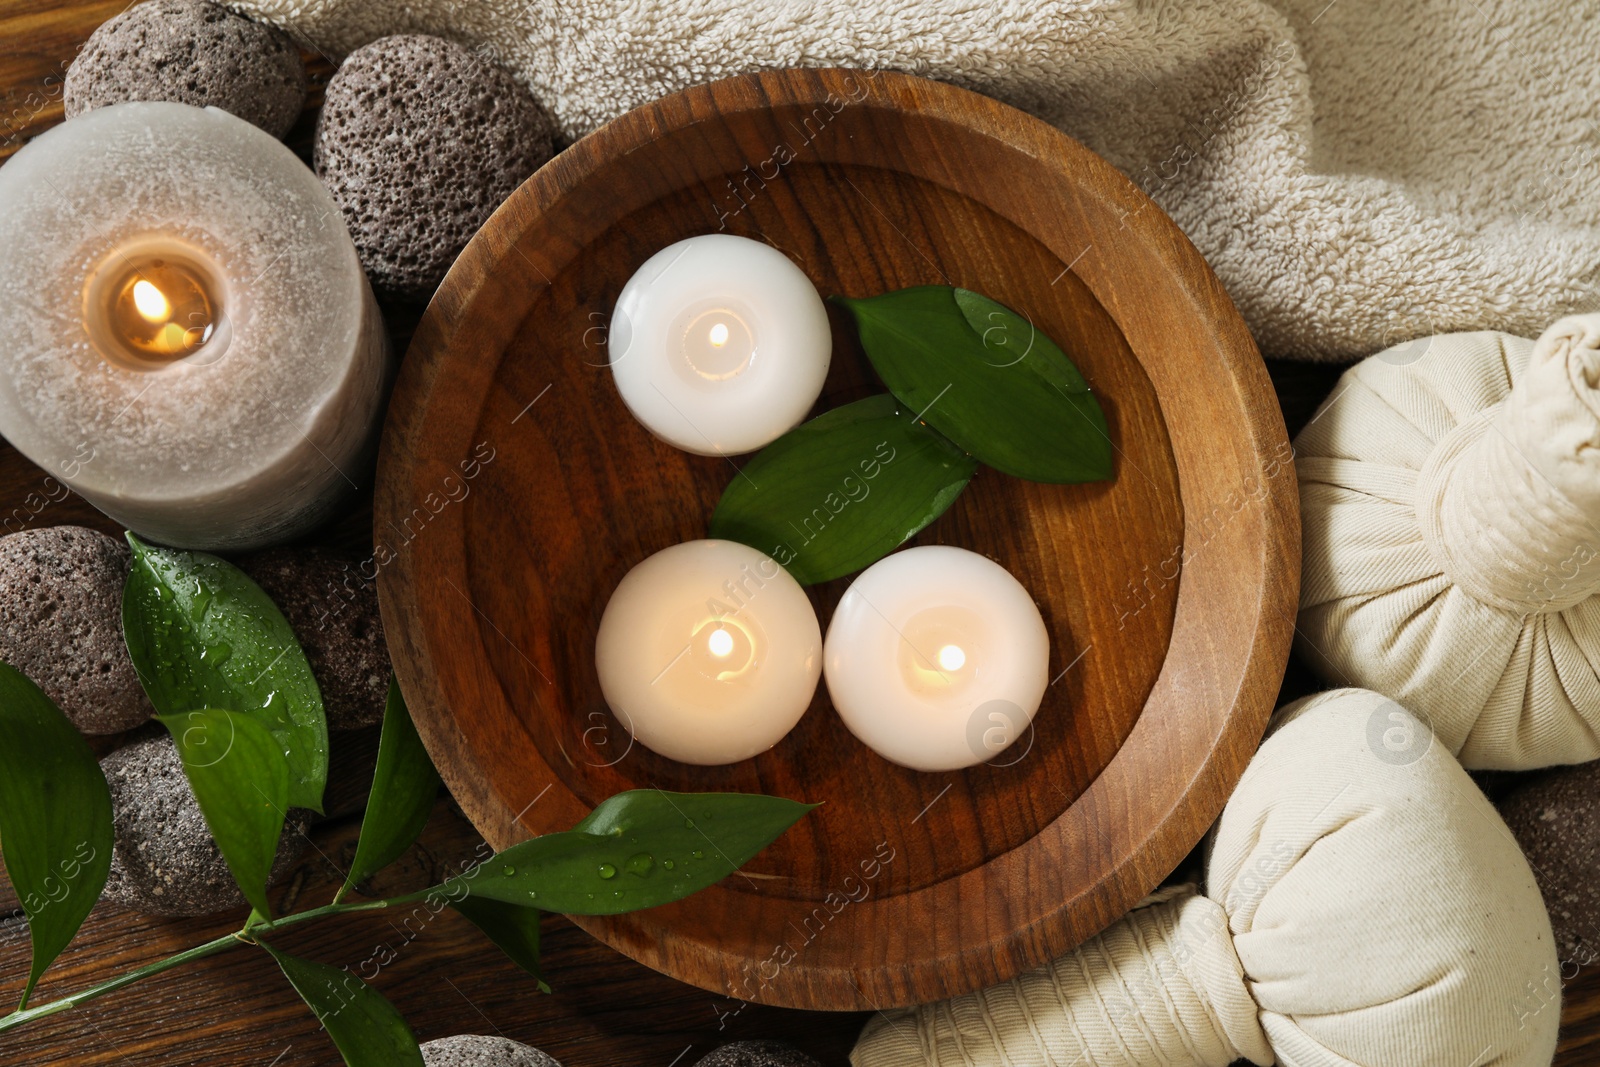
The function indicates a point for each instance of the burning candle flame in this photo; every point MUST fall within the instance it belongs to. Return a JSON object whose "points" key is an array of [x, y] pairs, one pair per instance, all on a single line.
{"points": [[151, 302]]}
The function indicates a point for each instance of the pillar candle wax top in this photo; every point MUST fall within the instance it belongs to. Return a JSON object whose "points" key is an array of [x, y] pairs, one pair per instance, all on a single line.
{"points": [[187, 318]]}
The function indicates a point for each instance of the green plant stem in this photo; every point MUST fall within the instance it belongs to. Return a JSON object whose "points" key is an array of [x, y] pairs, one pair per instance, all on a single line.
{"points": [[244, 936]]}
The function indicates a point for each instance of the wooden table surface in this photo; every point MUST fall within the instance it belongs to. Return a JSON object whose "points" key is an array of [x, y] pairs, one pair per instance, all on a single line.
{"points": [[235, 1009]]}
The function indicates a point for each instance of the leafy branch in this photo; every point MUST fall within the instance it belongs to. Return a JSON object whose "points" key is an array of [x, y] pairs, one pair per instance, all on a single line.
{"points": [[232, 686]]}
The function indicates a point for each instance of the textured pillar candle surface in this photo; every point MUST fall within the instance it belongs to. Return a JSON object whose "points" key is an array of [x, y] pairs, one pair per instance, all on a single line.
{"points": [[252, 437]]}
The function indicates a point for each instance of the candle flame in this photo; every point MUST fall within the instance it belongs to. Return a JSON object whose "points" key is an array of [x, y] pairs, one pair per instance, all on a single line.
{"points": [[720, 642], [719, 335], [952, 658], [150, 302]]}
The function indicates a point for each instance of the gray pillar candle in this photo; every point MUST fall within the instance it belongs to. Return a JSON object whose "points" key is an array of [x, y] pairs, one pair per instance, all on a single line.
{"points": [[191, 342]]}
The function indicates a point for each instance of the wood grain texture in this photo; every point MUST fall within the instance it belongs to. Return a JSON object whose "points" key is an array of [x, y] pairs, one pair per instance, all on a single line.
{"points": [[442, 975], [515, 491]]}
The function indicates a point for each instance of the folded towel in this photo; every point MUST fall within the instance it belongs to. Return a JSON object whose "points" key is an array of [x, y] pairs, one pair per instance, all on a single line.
{"points": [[1357, 173]]}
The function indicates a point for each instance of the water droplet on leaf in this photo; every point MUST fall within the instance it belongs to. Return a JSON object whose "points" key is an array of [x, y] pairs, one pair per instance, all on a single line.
{"points": [[607, 871]]}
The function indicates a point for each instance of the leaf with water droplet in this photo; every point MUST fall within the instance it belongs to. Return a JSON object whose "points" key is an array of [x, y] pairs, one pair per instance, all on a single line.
{"points": [[264, 675], [566, 868]]}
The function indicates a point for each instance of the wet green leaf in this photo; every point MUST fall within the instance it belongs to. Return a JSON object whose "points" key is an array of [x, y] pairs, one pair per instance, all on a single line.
{"points": [[636, 850], [367, 1029], [241, 779], [202, 635], [404, 788], [981, 374], [55, 818], [841, 491]]}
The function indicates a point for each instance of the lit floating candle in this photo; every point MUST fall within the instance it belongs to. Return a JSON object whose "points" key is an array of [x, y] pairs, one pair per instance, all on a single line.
{"points": [[719, 344], [936, 658], [192, 343], [708, 652]]}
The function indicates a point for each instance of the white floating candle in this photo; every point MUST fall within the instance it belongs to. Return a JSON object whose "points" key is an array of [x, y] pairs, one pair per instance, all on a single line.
{"points": [[708, 652], [936, 658], [192, 345], [719, 344]]}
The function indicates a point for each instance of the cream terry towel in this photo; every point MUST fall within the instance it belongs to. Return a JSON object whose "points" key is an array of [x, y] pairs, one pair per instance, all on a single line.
{"points": [[1357, 172]]}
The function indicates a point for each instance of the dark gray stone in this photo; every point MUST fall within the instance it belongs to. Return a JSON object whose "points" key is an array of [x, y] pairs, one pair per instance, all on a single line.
{"points": [[190, 52], [333, 610], [419, 141], [470, 1050], [758, 1054], [1556, 819], [61, 624], [163, 859]]}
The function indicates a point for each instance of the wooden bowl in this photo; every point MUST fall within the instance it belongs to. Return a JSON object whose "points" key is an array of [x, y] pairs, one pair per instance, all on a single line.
{"points": [[516, 491]]}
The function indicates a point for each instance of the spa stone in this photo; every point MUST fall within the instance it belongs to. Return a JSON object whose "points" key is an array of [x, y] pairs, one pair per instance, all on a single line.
{"points": [[61, 624], [419, 141], [1555, 817], [471, 1050], [190, 53], [333, 610], [758, 1054], [163, 859]]}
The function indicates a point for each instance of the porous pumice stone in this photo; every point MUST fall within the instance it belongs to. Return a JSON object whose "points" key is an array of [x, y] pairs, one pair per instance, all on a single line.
{"points": [[758, 1054], [471, 1050], [190, 52], [163, 858], [419, 141], [333, 609], [61, 624], [1556, 819]]}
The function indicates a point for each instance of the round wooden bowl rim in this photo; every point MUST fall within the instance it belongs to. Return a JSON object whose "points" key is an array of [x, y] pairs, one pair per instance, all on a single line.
{"points": [[1015, 929]]}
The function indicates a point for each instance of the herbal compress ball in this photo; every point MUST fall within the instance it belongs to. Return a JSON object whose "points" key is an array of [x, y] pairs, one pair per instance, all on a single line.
{"points": [[163, 859], [1449, 502], [1363, 905], [470, 1050], [419, 141], [333, 609], [190, 52], [61, 624], [1556, 820]]}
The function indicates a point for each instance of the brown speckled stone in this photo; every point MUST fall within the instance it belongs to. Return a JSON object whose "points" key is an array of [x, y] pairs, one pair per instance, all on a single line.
{"points": [[758, 1054], [333, 610], [163, 859], [1555, 817], [419, 141], [190, 52], [470, 1050], [61, 624]]}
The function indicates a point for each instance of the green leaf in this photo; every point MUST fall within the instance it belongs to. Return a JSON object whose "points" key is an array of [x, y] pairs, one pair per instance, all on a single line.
{"points": [[979, 373], [367, 1029], [841, 491], [636, 850], [55, 818], [511, 926], [202, 635], [404, 788], [241, 779]]}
